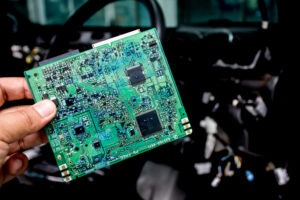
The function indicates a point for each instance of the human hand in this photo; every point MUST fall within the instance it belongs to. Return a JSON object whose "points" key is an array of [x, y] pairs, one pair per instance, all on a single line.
{"points": [[20, 126]]}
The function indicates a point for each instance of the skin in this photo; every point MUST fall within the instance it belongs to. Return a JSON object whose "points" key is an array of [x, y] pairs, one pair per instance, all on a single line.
{"points": [[20, 127]]}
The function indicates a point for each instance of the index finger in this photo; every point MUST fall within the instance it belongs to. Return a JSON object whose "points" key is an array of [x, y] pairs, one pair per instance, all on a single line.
{"points": [[28, 141], [13, 89]]}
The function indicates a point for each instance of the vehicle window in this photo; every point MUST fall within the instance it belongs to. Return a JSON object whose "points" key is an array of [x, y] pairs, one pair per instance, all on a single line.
{"points": [[202, 11], [131, 13]]}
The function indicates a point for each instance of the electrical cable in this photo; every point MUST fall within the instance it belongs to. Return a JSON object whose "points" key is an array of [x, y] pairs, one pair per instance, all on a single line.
{"points": [[263, 10], [264, 14], [60, 40]]}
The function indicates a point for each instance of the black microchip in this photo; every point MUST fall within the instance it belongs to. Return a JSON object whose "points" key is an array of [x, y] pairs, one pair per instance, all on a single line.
{"points": [[61, 88], [45, 96], [69, 101], [79, 130], [148, 123], [84, 76], [96, 144], [152, 43], [136, 75], [131, 132]]}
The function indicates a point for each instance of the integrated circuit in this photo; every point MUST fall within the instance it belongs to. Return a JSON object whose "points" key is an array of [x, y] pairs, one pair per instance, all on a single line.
{"points": [[136, 75], [114, 101], [148, 123], [78, 130]]}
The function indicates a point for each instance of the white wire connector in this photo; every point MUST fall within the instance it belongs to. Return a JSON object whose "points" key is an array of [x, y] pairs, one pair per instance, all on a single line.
{"points": [[210, 125], [281, 176], [265, 25]]}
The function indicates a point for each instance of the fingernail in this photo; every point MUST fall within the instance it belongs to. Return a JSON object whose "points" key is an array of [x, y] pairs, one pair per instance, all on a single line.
{"points": [[17, 165], [44, 108]]}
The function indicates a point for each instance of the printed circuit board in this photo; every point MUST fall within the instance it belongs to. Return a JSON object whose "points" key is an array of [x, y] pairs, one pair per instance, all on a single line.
{"points": [[114, 101]]}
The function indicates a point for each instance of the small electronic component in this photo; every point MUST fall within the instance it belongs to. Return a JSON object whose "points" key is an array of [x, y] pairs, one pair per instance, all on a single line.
{"points": [[79, 130], [114, 101], [136, 75], [148, 123]]}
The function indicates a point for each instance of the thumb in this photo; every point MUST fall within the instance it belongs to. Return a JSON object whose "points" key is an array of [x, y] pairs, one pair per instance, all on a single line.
{"points": [[18, 124]]}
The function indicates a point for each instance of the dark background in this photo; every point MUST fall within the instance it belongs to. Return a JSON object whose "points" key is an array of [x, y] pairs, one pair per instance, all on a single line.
{"points": [[191, 58]]}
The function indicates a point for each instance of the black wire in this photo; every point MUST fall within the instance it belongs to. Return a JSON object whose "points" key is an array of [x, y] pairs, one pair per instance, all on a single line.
{"points": [[263, 10], [60, 40], [157, 16], [84, 13]]}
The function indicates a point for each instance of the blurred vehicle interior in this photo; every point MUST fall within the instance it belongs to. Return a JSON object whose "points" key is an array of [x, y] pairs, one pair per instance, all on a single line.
{"points": [[231, 60]]}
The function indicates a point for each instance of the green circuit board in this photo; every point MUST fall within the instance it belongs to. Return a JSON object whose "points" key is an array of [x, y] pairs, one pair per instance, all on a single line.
{"points": [[114, 101]]}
